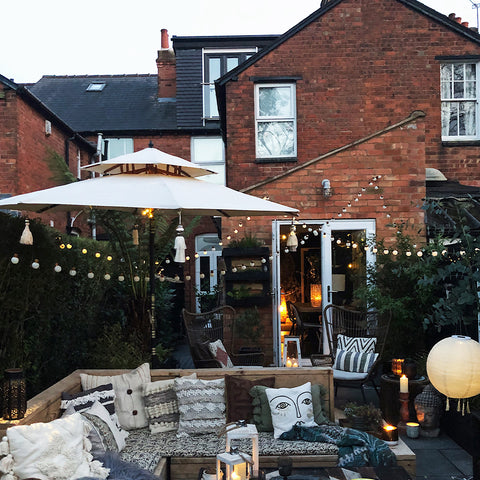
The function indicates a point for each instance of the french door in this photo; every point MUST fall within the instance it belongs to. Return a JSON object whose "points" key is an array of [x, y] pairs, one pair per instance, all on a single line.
{"points": [[331, 255]]}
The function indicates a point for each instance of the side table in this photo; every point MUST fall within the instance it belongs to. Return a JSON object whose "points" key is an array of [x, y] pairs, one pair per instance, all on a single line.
{"points": [[390, 396]]}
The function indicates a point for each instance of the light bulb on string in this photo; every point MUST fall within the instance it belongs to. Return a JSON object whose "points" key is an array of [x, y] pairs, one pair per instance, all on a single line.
{"points": [[15, 259], [72, 272], [90, 275], [84, 251], [57, 268], [109, 258], [121, 278], [107, 276], [98, 254], [35, 264], [69, 246]]}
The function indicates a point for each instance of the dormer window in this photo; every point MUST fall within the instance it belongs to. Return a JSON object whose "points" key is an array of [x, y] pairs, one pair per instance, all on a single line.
{"points": [[217, 63], [96, 87]]}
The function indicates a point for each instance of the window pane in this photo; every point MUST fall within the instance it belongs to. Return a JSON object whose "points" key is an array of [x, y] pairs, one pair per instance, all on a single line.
{"points": [[213, 69], [445, 119], [467, 123], [118, 146], [446, 90], [232, 62], [470, 72], [275, 139], [275, 102], [446, 73], [208, 153], [470, 89], [458, 90], [458, 72]]}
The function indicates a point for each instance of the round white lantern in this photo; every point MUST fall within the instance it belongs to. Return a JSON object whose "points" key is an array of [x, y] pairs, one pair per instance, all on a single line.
{"points": [[453, 367]]}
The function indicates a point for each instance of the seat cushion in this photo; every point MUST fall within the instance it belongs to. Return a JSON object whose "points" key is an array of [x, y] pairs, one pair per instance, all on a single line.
{"points": [[343, 375]]}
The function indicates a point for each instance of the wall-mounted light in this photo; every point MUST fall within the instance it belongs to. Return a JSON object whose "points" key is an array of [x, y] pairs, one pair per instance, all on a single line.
{"points": [[327, 189]]}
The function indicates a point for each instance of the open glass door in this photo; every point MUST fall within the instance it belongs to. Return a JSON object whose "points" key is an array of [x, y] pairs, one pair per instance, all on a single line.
{"points": [[327, 266]]}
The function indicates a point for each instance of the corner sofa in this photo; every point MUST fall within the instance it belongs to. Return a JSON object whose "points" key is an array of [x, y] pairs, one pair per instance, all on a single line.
{"points": [[177, 458]]}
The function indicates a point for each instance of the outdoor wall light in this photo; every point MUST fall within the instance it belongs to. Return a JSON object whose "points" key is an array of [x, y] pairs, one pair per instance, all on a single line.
{"points": [[327, 189]]}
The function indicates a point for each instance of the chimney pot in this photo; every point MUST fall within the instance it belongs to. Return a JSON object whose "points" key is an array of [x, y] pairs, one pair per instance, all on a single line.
{"points": [[451, 16], [465, 24], [458, 19], [164, 41]]}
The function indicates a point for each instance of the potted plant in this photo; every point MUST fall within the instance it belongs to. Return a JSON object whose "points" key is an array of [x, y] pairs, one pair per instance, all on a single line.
{"points": [[363, 417]]}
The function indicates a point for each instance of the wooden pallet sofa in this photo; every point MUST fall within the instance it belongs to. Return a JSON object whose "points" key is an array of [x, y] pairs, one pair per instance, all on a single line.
{"points": [[179, 458]]}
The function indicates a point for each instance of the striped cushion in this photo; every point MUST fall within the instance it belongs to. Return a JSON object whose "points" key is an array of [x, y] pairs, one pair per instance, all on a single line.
{"points": [[356, 344], [359, 362]]}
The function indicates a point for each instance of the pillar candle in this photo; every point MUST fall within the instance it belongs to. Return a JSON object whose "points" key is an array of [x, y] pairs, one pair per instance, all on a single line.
{"points": [[403, 384]]}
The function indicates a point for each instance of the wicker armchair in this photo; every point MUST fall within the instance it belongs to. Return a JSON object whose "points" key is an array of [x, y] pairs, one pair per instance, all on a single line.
{"points": [[218, 324], [351, 323]]}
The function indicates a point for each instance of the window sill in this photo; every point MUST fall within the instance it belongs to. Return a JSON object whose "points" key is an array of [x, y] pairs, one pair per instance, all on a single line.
{"points": [[277, 160], [460, 143]]}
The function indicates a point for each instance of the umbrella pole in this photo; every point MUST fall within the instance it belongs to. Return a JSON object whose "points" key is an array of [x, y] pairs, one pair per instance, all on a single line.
{"points": [[151, 247]]}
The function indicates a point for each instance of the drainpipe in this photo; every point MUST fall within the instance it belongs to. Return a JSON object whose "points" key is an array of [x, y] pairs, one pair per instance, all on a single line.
{"points": [[67, 161]]}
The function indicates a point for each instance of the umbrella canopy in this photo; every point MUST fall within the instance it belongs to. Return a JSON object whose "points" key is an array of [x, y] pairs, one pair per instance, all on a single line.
{"points": [[132, 192]]}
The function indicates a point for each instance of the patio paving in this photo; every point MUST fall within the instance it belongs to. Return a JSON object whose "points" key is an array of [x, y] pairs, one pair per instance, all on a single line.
{"points": [[437, 458]]}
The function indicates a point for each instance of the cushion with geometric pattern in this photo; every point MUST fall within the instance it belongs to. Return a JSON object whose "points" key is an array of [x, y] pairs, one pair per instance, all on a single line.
{"points": [[349, 361], [356, 344], [220, 354]]}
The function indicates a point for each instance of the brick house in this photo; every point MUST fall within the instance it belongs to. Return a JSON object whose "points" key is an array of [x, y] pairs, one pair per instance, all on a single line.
{"points": [[354, 116]]}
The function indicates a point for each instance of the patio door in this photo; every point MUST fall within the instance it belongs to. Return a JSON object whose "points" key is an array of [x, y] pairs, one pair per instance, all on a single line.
{"points": [[330, 257]]}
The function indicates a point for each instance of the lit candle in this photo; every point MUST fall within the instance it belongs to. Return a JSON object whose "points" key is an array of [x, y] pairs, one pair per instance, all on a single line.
{"points": [[413, 429], [295, 363], [390, 434], [289, 362], [403, 384]]}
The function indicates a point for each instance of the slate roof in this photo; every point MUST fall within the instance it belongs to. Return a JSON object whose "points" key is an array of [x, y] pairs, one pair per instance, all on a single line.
{"points": [[127, 103]]}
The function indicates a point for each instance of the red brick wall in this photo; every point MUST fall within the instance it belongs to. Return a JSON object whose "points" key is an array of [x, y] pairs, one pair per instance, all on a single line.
{"points": [[363, 65], [8, 141]]}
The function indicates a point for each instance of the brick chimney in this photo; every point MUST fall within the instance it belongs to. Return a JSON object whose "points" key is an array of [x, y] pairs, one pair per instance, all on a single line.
{"points": [[166, 65]]}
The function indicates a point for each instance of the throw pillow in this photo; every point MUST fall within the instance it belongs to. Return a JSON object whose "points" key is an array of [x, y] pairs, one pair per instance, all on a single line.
{"points": [[356, 344], [161, 405], [359, 362], [129, 403], [201, 404], [289, 407], [239, 401], [219, 353], [57, 449], [84, 400], [262, 416]]}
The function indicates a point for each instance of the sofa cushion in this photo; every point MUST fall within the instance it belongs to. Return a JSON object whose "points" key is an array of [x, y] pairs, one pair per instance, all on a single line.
{"points": [[146, 450], [129, 403], [358, 362], [239, 401], [57, 449], [201, 404], [262, 416], [290, 406]]}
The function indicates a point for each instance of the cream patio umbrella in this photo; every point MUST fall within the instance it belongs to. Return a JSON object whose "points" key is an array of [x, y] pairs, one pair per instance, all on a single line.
{"points": [[147, 179]]}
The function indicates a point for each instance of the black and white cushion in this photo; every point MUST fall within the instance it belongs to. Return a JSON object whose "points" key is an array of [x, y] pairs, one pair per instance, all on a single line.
{"points": [[356, 344], [358, 362]]}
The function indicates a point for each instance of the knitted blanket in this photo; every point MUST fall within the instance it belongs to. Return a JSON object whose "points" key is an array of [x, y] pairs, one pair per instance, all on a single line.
{"points": [[355, 448]]}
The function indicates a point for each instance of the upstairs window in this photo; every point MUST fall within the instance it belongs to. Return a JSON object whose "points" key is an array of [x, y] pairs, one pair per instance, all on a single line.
{"points": [[215, 64], [275, 119], [208, 152], [114, 147], [459, 101]]}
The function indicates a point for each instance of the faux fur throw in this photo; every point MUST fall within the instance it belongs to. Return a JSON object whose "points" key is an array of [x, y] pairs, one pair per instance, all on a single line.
{"points": [[355, 448], [120, 470]]}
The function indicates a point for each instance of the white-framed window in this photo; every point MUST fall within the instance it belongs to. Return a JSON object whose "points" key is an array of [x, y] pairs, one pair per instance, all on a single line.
{"points": [[215, 64], [275, 120], [459, 95], [208, 152], [114, 147]]}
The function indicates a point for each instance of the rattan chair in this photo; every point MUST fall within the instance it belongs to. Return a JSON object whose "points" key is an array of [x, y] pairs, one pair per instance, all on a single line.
{"points": [[351, 323], [302, 328], [218, 324]]}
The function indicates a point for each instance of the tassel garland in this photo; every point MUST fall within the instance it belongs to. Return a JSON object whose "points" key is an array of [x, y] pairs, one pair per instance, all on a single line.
{"points": [[27, 237]]}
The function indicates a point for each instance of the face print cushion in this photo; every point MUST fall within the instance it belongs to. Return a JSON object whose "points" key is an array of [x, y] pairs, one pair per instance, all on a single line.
{"points": [[289, 407]]}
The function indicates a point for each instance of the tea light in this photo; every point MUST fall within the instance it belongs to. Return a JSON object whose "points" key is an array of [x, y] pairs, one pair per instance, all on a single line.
{"points": [[413, 429], [390, 434]]}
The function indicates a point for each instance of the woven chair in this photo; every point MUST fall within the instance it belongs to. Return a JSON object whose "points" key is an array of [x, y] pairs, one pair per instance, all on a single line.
{"points": [[207, 327], [302, 328], [355, 325]]}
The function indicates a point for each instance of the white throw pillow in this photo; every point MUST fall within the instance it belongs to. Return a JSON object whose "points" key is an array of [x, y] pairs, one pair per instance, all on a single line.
{"points": [[55, 450], [289, 407], [129, 403]]}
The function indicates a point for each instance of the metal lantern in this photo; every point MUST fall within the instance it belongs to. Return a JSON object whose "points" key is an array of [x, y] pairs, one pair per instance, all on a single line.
{"points": [[453, 367], [14, 399], [237, 465], [316, 295], [291, 351], [242, 430]]}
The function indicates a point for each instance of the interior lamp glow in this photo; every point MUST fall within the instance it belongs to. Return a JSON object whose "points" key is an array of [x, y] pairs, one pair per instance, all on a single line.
{"points": [[453, 367]]}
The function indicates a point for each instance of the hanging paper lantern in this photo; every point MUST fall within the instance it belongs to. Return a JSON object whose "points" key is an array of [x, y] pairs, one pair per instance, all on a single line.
{"points": [[57, 268], [27, 237], [453, 367], [15, 259], [35, 264], [292, 241]]}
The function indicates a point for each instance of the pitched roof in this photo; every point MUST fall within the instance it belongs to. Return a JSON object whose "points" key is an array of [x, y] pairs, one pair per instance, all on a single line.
{"points": [[126, 104], [413, 4]]}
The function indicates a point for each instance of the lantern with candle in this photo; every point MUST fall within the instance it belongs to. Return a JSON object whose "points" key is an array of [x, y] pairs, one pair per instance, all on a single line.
{"points": [[291, 351], [14, 395], [397, 366], [242, 430], [238, 465], [316, 295], [390, 434]]}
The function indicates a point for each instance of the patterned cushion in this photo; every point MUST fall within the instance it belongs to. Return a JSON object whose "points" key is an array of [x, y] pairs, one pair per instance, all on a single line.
{"points": [[57, 449], [356, 344], [129, 403], [201, 404], [239, 401], [161, 405], [220, 354], [84, 400], [358, 362], [146, 450], [291, 406]]}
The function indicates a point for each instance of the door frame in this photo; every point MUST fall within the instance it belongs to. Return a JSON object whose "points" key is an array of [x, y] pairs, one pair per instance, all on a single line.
{"points": [[328, 226]]}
